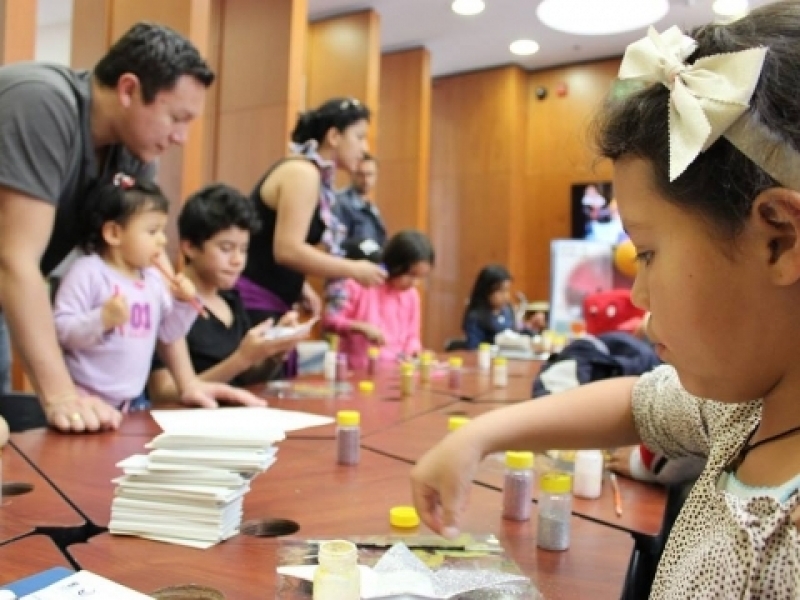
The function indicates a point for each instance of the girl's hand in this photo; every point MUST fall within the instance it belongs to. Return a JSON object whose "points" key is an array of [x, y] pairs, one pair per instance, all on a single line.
{"points": [[367, 273], [310, 301], [115, 311], [183, 288], [441, 481], [372, 333]]}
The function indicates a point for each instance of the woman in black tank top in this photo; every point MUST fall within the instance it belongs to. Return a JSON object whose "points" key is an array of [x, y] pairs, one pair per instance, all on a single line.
{"points": [[293, 200]]}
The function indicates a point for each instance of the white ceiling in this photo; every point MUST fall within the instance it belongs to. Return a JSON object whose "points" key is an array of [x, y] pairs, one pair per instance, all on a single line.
{"points": [[467, 43]]}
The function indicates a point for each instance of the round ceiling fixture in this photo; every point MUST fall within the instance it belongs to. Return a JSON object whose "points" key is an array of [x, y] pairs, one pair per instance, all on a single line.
{"points": [[600, 17], [731, 9], [467, 8], [524, 47]]}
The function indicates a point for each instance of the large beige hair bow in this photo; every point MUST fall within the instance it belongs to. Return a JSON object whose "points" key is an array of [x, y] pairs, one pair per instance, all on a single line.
{"points": [[708, 99]]}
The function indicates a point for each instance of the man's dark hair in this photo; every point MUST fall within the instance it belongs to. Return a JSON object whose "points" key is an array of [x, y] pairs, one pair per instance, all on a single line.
{"points": [[157, 55]]}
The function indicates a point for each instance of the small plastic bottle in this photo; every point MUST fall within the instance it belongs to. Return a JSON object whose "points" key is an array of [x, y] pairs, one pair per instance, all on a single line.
{"points": [[337, 577], [555, 508], [588, 474], [329, 365], [341, 367], [406, 379], [484, 356], [425, 366], [456, 421], [454, 376], [500, 372], [348, 437], [517, 496], [372, 360]]}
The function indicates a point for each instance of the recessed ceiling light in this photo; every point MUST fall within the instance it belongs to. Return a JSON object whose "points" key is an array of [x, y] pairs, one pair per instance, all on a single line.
{"points": [[524, 47], [730, 8], [467, 7], [592, 17]]}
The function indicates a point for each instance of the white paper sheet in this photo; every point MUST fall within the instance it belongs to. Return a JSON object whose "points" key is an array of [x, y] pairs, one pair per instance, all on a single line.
{"points": [[242, 419]]}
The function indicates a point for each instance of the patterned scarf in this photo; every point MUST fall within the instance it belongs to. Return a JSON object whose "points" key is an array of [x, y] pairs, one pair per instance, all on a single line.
{"points": [[335, 231]]}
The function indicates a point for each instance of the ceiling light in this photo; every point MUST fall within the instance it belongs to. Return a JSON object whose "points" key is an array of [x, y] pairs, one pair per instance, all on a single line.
{"points": [[467, 7], [730, 8], [524, 47], [600, 17]]}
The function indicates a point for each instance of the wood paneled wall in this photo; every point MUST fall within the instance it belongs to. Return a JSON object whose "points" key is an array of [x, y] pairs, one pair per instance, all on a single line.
{"points": [[17, 30], [257, 107], [344, 57], [502, 163], [478, 139]]}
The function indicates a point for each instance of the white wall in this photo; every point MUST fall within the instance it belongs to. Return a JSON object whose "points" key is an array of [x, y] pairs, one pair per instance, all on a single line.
{"points": [[53, 42]]}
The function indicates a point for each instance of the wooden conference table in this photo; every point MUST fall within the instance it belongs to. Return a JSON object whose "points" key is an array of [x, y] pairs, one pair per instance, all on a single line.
{"points": [[306, 489]]}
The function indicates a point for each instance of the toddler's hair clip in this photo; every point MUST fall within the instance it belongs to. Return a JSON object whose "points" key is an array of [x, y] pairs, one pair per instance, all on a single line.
{"points": [[124, 181]]}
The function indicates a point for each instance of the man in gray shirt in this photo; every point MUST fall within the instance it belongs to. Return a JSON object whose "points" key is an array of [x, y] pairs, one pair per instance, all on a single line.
{"points": [[354, 209], [61, 130]]}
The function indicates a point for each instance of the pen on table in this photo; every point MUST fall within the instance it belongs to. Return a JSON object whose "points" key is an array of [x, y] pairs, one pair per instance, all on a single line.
{"points": [[617, 496], [198, 306]]}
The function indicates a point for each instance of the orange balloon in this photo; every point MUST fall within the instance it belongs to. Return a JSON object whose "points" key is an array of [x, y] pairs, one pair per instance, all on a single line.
{"points": [[625, 259]]}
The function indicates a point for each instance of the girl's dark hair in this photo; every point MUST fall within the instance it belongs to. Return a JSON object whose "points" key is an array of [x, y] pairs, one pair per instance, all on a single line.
{"points": [[338, 112], [157, 55], [489, 280], [721, 184], [117, 200], [404, 250], [215, 208]]}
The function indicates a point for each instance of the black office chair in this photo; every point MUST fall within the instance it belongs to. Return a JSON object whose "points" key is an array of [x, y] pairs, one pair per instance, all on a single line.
{"points": [[454, 344], [647, 550], [22, 411]]}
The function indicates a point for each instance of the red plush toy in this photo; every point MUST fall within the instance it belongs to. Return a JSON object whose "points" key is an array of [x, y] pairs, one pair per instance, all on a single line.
{"points": [[611, 310]]}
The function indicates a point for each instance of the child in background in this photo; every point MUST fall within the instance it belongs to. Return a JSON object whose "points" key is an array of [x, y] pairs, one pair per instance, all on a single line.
{"points": [[113, 304], [215, 226], [707, 176], [489, 310], [387, 315]]}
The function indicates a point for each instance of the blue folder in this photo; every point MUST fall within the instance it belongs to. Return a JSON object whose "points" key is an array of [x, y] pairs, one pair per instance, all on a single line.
{"points": [[37, 582]]}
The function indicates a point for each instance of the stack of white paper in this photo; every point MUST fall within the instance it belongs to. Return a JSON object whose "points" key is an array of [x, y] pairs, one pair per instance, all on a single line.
{"points": [[189, 489]]}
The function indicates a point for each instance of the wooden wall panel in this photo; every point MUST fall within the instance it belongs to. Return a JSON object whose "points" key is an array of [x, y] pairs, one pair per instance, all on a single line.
{"points": [[17, 30], [404, 126], [558, 153], [258, 107], [344, 58], [478, 128]]}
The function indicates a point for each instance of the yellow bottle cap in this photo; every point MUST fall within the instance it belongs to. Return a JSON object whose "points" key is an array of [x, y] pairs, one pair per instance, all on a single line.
{"points": [[374, 352], [555, 483], [426, 358], [366, 386], [519, 460], [500, 361], [484, 346], [333, 340], [348, 417], [407, 369], [454, 423], [403, 516], [456, 362]]}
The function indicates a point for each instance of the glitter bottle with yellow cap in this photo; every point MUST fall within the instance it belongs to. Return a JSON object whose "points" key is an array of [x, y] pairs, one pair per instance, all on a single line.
{"points": [[348, 437], [454, 376], [425, 366], [406, 379], [555, 511], [518, 486]]}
